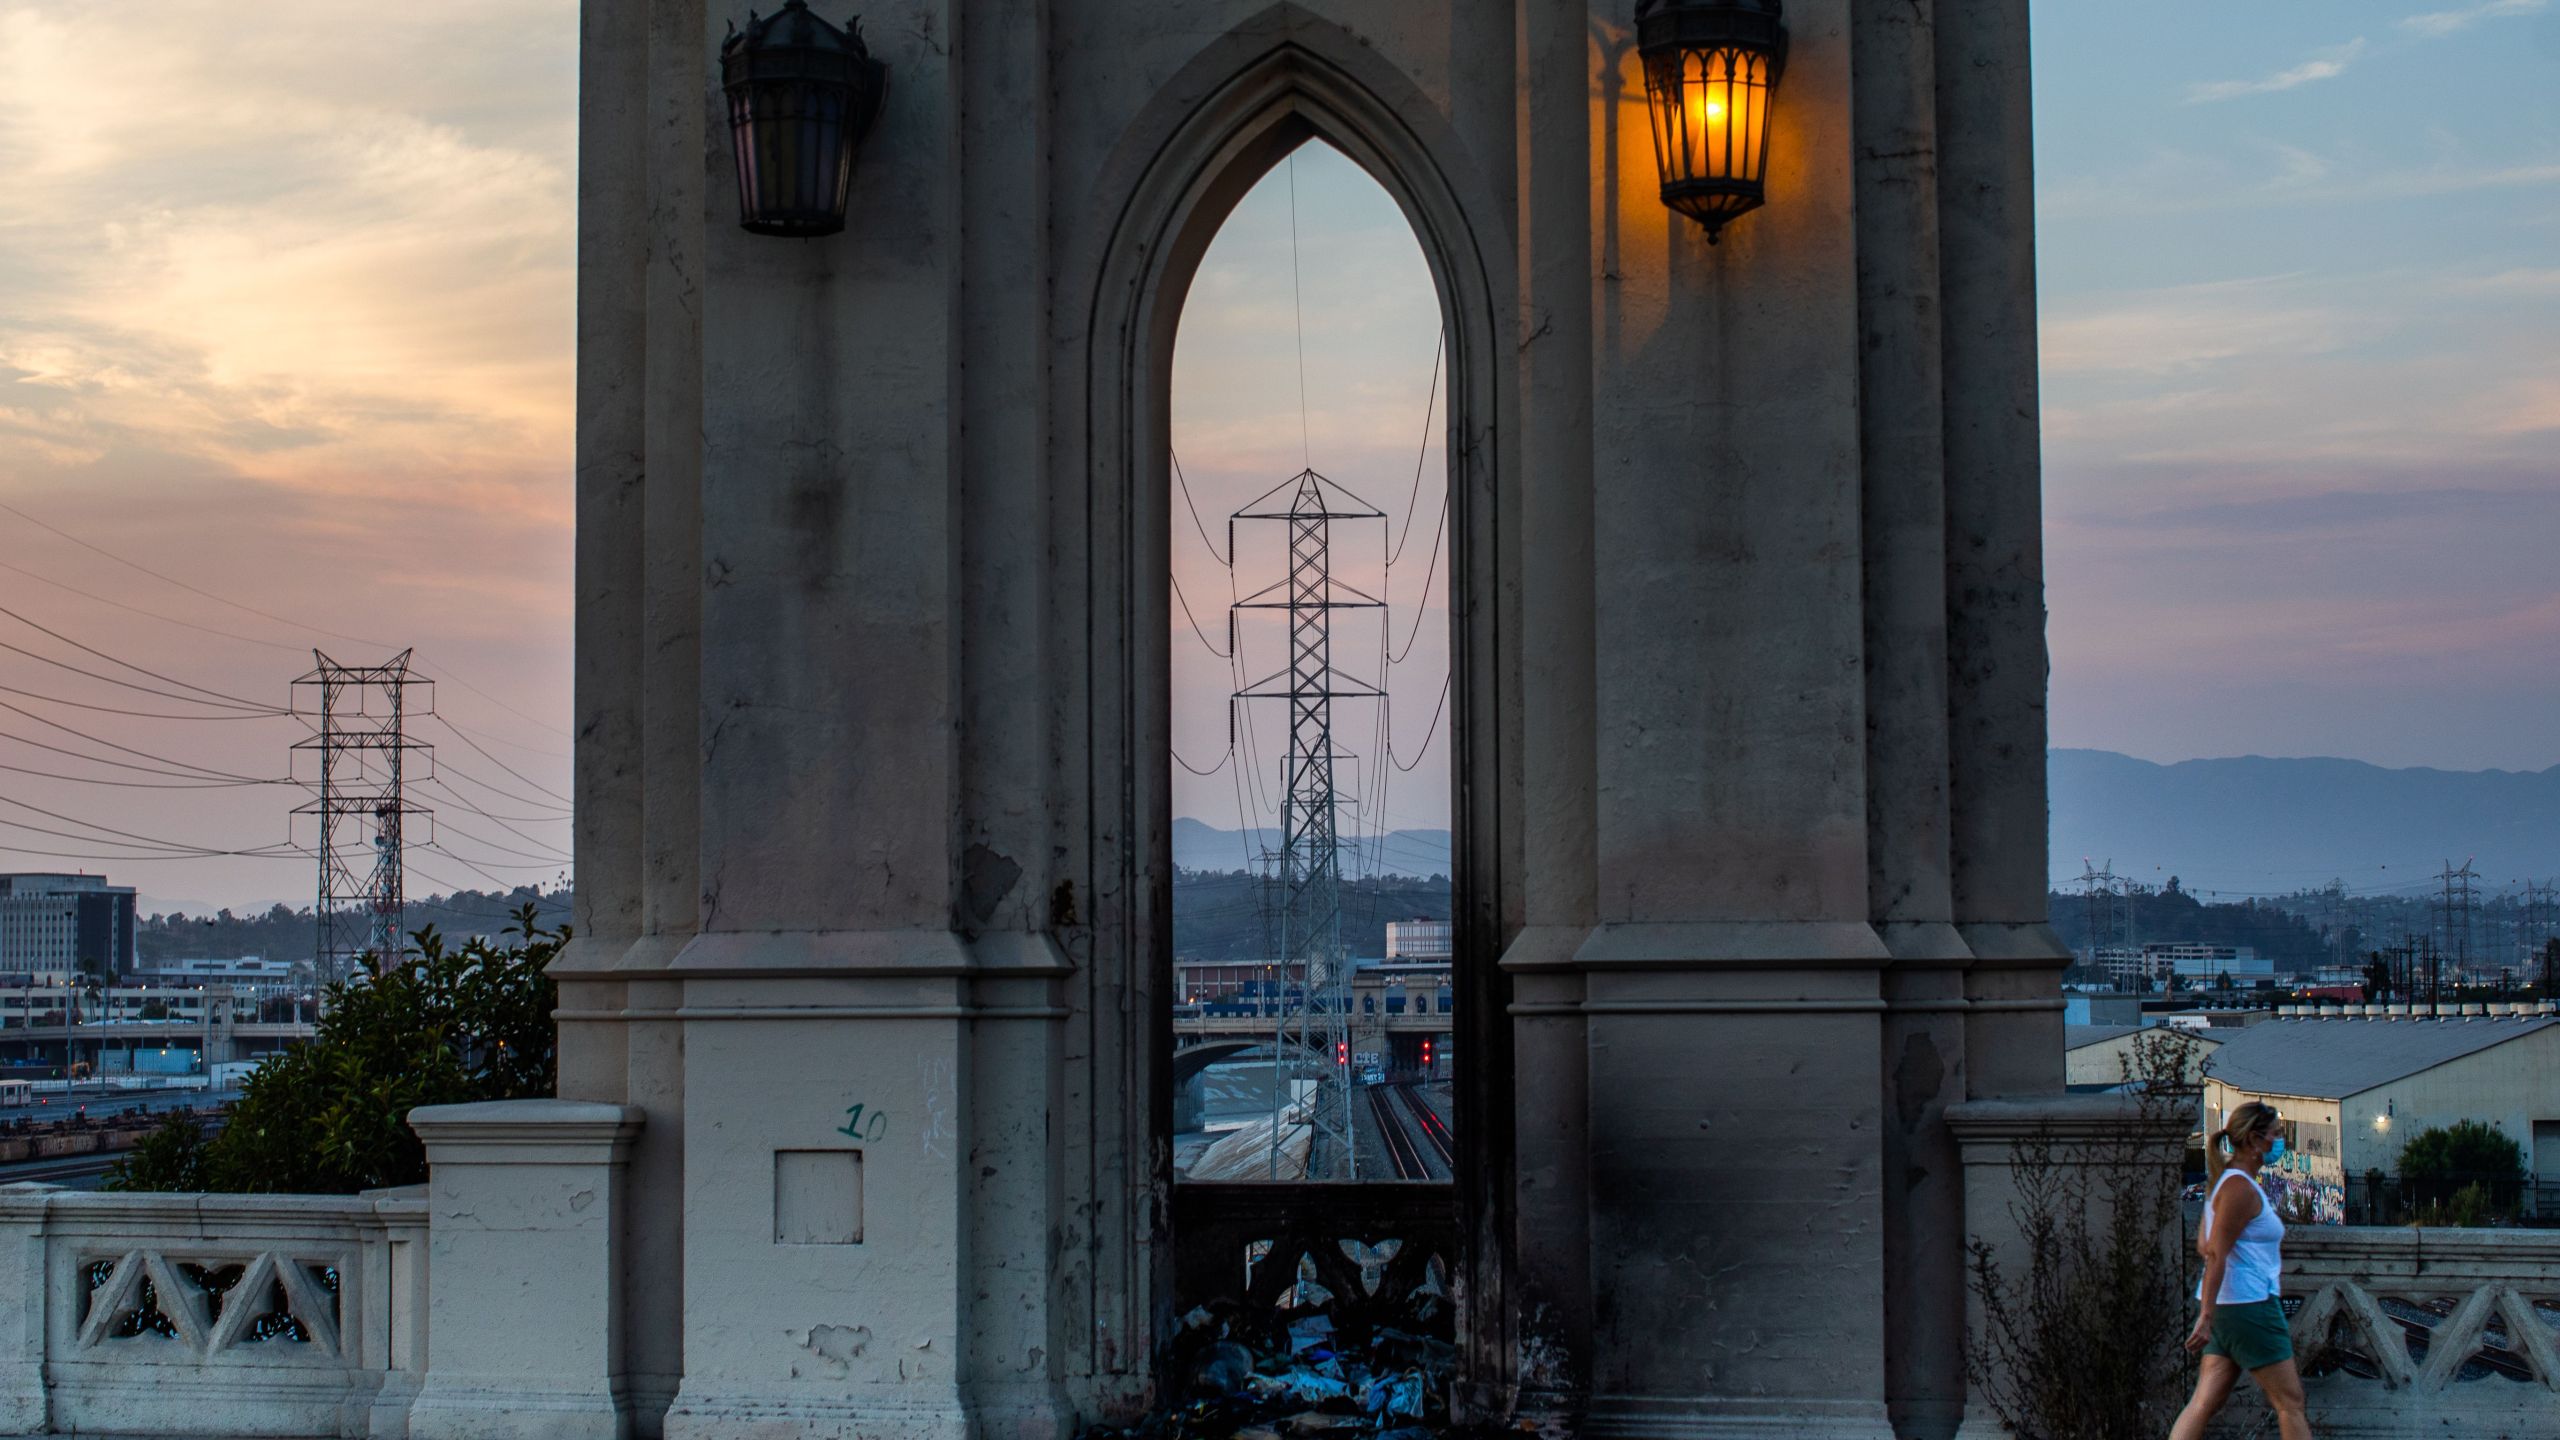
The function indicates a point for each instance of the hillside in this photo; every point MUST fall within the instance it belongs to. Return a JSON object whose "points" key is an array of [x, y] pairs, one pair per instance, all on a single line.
{"points": [[2260, 825], [1200, 846], [1220, 915], [283, 933]]}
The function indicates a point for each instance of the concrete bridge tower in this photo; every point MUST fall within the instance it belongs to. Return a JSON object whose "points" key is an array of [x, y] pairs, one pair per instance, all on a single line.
{"points": [[872, 654]]}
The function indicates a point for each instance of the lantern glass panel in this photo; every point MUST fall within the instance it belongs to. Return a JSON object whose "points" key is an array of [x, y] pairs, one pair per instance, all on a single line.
{"points": [[1710, 109], [793, 159]]}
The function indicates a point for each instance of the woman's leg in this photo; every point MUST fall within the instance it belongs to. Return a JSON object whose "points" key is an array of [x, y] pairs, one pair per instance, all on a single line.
{"points": [[2213, 1386], [2283, 1386]]}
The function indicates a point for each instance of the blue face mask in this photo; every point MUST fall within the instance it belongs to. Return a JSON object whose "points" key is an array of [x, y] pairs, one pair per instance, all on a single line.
{"points": [[2275, 1151]]}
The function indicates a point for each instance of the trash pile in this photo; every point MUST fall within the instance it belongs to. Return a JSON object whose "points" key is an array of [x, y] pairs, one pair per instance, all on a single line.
{"points": [[1294, 1374]]}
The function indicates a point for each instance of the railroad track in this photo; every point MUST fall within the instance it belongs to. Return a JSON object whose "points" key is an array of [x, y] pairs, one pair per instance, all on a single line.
{"points": [[1402, 1153], [1435, 1131], [54, 1170]]}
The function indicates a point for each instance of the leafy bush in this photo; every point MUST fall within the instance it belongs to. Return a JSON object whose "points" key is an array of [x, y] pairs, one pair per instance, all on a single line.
{"points": [[2087, 1343], [330, 1117], [2441, 1163]]}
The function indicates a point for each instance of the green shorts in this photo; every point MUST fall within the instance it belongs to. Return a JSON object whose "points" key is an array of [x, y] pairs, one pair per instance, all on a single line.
{"points": [[2253, 1336]]}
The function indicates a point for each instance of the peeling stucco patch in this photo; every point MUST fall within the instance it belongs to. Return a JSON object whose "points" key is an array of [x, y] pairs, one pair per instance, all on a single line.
{"points": [[838, 1345]]}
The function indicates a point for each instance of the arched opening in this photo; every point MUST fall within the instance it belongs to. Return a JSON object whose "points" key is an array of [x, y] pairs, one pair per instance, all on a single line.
{"points": [[1220, 129], [1308, 686]]}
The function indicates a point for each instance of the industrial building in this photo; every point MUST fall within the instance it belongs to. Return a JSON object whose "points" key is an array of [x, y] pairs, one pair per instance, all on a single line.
{"points": [[1421, 940], [2101, 1057], [2353, 1090], [54, 926], [245, 974]]}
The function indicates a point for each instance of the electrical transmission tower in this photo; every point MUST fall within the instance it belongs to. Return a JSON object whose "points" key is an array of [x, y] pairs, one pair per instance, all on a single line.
{"points": [[2109, 898], [1311, 1032], [365, 762], [2453, 915], [2533, 924]]}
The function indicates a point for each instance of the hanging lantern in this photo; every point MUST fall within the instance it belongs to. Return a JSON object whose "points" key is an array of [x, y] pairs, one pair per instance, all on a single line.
{"points": [[1710, 72], [802, 93]]}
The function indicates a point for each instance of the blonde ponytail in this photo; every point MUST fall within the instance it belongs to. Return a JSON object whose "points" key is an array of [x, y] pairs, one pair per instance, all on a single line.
{"points": [[2246, 1123]]}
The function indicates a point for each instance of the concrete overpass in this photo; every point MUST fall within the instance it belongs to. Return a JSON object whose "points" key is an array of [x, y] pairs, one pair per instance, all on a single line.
{"points": [[217, 1043]]}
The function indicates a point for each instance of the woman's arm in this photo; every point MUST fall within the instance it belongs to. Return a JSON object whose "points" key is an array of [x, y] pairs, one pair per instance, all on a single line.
{"points": [[2231, 1215]]}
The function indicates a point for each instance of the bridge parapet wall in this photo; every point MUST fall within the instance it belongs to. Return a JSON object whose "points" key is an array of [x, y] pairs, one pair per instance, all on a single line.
{"points": [[2405, 1331], [246, 1315]]}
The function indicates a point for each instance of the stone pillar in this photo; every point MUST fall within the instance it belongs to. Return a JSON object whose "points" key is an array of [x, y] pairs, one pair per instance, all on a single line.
{"points": [[1014, 1364], [1552, 1292], [1995, 551], [524, 1247], [1732, 997], [828, 1002], [24, 1408], [644, 130], [1903, 518]]}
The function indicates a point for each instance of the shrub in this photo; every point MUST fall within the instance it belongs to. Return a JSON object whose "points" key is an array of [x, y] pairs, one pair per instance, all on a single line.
{"points": [[331, 1116], [2441, 1162], [2088, 1342]]}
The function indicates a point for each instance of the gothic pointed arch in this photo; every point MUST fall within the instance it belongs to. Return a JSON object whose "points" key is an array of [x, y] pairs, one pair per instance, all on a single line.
{"points": [[1213, 129]]}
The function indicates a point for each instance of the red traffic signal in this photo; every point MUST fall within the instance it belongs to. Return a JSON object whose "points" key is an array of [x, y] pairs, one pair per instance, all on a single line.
{"points": [[1341, 1053], [1426, 1052]]}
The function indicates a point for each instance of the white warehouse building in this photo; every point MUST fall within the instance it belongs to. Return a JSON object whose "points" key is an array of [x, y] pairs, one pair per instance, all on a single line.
{"points": [[2354, 1090]]}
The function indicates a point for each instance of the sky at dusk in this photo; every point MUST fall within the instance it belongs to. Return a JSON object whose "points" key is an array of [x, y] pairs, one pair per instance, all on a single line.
{"points": [[286, 302]]}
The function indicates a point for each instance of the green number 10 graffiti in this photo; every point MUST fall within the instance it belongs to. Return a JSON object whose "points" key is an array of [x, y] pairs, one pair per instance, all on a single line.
{"points": [[859, 1128]]}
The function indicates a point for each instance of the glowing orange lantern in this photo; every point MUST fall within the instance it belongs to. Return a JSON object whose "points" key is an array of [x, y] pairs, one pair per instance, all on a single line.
{"points": [[1710, 74]]}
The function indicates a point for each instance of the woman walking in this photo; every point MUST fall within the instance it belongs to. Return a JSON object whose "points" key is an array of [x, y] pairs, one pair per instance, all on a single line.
{"points": [[2243, 1325]]}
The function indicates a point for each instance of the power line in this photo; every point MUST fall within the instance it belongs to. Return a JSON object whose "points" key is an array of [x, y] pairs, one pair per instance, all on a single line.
{"points": [[150, 614], [1436, 712], [1430, 407], [123, 836], [441, 673], [1195, 621], [139, 714], [184, 855], [184, 766], [183, 585], [437, 780], [502, 792], [1185, 485], [552, 858], [503, 765], [1196, 770], [1297, 306], [133, 784], [220, 700], [459, 799], [451, 854], [1430, 572], [503, 740], [237, 605]]}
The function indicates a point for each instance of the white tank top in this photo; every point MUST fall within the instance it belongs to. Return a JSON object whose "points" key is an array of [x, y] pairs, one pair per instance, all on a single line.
{"points": [[2255, 1270]]}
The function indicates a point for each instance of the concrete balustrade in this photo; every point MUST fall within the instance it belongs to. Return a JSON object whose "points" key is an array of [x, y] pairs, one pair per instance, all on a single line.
{"points": [[310, 1315], [2410, 1331], [247, 1315]]}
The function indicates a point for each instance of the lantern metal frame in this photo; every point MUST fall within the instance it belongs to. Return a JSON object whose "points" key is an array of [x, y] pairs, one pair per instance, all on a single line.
{"points": [[1740, 34], [802, 95]]}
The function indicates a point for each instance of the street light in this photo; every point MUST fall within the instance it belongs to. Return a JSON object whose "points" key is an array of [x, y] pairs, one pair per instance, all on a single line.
{"points": [[802, 94], [1710, 72]]}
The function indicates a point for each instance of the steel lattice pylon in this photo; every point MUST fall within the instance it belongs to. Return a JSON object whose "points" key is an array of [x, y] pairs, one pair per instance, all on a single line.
{"points": [[1311, 1033], [365, 762]]}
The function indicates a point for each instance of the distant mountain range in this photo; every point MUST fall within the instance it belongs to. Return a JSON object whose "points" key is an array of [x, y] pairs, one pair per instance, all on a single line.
{"points": [[1198, 845], [2254, 824], [2249, 825]]}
